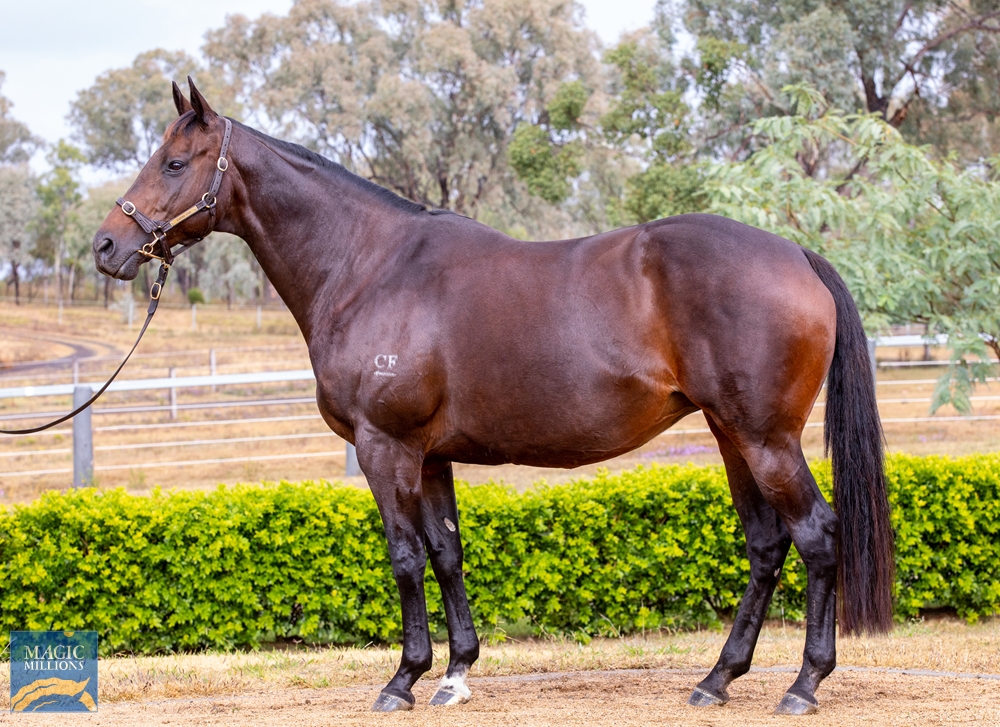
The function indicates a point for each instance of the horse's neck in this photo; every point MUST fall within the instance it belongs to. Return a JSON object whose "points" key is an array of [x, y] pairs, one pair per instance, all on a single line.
{"points": [[317, 236]]}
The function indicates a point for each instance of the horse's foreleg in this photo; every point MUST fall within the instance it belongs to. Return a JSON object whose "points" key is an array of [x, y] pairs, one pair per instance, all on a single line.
{"points": [[440, 519], [393, 473], [767, 545]]}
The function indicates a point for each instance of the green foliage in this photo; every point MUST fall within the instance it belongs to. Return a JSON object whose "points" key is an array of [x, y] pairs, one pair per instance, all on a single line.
{"points": [[544, 167], [649, 104], [566, 107], [916, 238], [931, 69], [662, 190], [195, 296], [717, 58], [653, 547]]}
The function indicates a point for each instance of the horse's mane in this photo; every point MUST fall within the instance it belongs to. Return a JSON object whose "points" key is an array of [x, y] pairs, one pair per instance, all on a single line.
{"points": [[339, 170]]}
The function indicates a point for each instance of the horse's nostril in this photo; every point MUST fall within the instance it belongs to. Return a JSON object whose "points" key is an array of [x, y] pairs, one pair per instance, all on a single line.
{"points": [[106, 246]]}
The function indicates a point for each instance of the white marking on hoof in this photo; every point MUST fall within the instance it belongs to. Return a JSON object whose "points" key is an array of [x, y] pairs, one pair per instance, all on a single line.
{"points": [[452, 690]]}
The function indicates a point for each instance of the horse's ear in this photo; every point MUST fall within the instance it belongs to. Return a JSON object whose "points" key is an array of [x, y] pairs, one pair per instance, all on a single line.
{"points": [[182, 104], [202, 111]]}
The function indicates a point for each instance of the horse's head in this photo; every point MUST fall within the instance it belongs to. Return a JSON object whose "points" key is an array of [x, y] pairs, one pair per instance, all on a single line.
{"points": [[173, 199]]}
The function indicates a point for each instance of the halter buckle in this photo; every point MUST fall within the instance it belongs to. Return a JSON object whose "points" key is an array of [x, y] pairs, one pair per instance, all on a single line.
{"points": [[147, 249], [209, 199], [222, 165], [128, 208], [155, 291]]}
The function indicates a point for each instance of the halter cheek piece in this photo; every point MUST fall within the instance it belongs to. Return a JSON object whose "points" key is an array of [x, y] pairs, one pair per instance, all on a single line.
{"points": [[158, 229]]}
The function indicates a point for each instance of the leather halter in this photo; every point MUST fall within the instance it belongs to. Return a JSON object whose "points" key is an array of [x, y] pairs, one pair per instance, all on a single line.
{"points": [[158, 229]]}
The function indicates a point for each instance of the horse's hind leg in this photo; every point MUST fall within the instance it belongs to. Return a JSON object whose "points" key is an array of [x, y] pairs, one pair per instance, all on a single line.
{"points": [[440, 520], [784, 479], [767, 545]]}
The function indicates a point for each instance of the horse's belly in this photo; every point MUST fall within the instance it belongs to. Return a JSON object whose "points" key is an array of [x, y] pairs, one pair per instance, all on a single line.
{"points": [[570, 435]]}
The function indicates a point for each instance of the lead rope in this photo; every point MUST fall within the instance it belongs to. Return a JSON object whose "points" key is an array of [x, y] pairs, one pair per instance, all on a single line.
{"points": [[154, 300], [158, 229]]}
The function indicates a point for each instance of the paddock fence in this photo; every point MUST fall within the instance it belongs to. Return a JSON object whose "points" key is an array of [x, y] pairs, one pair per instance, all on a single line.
{"points": [[265, 391]]}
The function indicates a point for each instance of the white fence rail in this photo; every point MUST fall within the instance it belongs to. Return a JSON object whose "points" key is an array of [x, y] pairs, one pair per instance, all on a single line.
{"points": [[83, 448]]}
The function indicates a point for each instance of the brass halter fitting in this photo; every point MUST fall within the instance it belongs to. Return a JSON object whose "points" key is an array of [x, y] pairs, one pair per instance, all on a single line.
{"points": [[159, 228]]}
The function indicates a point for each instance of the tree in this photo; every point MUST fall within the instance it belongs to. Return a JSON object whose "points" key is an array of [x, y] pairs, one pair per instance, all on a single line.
{"points": [[646, 126], [221, 267], [82, 221], [18, 205], [916, 238], [16, 142], [121, 118], [59, 192], [420, 97], [933, 60]]}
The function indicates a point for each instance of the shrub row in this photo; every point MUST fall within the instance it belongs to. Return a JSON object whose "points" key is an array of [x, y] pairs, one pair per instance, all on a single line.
{"points": [[653, 547]]}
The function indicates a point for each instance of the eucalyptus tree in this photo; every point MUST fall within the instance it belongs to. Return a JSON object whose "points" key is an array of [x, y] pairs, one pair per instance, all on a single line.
{"points": [[926, 66], [419, 96], [18, 206], [120, 119], [17, 143], [60, 191]]}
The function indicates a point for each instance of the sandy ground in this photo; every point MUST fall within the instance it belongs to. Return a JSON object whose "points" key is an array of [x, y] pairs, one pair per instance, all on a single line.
{"points": [[632, 680], [594, 698]]}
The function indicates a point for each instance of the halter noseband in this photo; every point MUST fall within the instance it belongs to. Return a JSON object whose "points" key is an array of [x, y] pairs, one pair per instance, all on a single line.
{"points": [[159, 228]]}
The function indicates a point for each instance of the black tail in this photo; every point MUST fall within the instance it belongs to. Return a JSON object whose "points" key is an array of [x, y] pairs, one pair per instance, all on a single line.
{"points": [[853, 437]]}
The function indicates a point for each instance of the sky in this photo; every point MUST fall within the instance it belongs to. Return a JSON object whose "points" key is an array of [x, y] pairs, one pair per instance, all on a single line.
{"points": [[51, 49]]}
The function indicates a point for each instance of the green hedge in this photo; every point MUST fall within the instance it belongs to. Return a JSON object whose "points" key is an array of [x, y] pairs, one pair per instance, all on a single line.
{"points": [[657, 546]]}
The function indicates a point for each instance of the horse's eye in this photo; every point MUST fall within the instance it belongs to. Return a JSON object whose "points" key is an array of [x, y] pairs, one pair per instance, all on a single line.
{"points": [[175, 166]]}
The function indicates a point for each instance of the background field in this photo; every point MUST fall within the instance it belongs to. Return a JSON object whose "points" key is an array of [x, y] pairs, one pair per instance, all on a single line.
{"points": [[299, 446]]}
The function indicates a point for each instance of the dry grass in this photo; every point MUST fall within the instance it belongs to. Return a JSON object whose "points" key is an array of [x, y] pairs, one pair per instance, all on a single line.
{"points": [[940, 645]]}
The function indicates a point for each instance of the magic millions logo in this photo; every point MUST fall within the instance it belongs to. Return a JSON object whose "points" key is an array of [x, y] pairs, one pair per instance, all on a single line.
{"points": [[53, 671]]}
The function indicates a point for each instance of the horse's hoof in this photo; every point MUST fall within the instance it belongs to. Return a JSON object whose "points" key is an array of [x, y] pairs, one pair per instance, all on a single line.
{"points": [[452, 690], [794, 704], [701, 698], [446, 696], [391, 703]]}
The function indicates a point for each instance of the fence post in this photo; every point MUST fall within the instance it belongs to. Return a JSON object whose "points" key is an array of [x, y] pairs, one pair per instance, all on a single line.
{"points": [[871, 357], [83, 440], [173, 395], [211, 365], [351, 466]]}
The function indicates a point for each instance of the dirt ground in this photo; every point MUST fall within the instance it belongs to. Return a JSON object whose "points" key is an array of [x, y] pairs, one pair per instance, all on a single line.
{"points": [[593, 699], [641, 679]]}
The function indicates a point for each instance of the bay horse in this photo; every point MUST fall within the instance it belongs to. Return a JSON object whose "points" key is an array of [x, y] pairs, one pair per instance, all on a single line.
{"points": [[436, 339]]}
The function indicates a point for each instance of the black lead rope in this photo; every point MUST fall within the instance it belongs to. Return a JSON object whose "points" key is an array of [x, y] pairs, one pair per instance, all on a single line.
{"points": [[158, 229], [154, 300]]}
